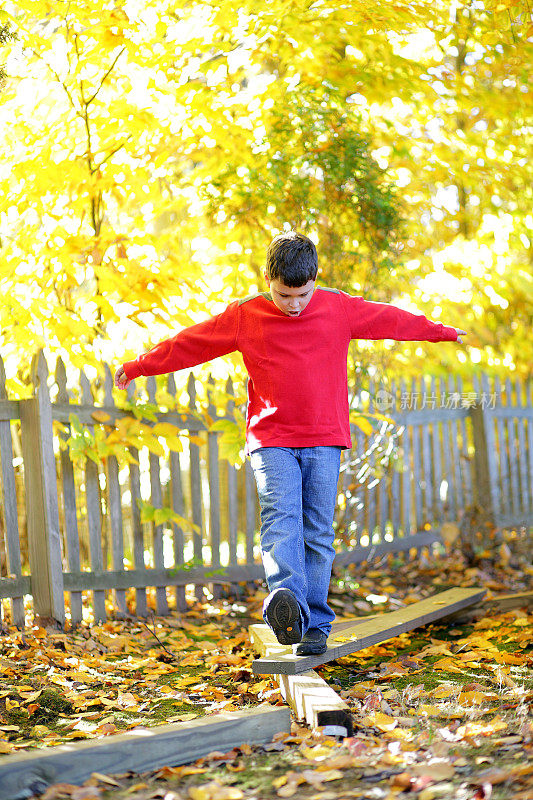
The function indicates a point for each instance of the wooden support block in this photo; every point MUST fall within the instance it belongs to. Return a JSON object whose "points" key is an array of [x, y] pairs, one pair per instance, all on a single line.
{"points": [[308, 695], [373, 631], [505, 602], [139, 750], [498, 604]]}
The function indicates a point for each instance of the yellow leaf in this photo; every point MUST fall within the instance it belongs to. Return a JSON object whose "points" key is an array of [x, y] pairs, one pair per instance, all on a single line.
{"points": [[446, 664], [429, 711], [444, 691], [215, 791], [476, 698], [5, 747], [100, 416], [317, 753], [363, 424], [381, 721], [481, 728]]}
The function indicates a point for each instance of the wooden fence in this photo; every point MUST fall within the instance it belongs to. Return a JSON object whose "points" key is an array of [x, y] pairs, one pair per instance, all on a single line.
{"points": [[74, 531]]}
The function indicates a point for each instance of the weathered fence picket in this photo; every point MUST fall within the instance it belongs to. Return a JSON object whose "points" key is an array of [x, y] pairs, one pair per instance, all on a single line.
{"points": [[449, 459], [41, 498], [196, 490], [9, 497], [69, 499], [214, 491], [177, 504]]}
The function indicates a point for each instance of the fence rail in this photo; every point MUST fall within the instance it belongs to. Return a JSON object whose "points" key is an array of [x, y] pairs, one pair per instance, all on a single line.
{"points": [[71, 527]]}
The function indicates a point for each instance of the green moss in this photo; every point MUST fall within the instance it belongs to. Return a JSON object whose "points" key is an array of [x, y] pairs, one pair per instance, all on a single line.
{"points": [[51, 705]]}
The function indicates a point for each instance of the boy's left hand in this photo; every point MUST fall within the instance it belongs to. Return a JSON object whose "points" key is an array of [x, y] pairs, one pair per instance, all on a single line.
{"points": [[459, 332]]}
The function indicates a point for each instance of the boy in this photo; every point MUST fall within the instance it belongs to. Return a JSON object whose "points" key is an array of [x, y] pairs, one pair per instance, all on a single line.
{"points": [[294, 342]]}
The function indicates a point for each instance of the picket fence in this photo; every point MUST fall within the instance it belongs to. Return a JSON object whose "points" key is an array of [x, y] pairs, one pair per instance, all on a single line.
{"points": [[71, 536]]}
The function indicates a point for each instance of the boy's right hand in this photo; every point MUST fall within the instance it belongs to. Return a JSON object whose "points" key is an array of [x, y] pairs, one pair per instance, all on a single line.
{"points": [[121, 379]]}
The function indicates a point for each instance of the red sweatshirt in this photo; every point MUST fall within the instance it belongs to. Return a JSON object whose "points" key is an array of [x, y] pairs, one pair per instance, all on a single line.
{"points": [[297, 366]]}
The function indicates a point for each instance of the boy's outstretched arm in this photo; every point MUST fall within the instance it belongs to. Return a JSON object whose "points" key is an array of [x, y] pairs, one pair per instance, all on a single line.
{"points": [[370, 320], [216, 336]]}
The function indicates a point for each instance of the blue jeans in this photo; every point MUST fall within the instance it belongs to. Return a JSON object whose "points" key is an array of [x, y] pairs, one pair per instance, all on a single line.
{"points": [[297, 488]]}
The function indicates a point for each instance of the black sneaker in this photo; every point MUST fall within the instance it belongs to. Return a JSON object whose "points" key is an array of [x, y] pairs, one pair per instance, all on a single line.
{"points": [[314, 642], [283, 615]]}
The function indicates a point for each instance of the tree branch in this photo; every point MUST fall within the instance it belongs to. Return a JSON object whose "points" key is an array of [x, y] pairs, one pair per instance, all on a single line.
{"points": [[112, 153], [58, 79], [89, 101]]}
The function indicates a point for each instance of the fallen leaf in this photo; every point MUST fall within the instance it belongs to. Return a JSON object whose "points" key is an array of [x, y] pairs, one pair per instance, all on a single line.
{"points": [[436, 770], [381, 721], [215, 791]]}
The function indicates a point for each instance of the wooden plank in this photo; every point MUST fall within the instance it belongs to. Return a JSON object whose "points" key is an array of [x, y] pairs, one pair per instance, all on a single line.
{"points": [[427, 482], [115, 504], [352, 459], [9, 409], [360, 439], [395, 480], [513, 456], [525, 488], [172, 576], [417, 467], [529, 401], [375, 631], [141, 608], [456, 460], [510, 412], [438, 503], [41, 499], [15, 587], [372, 503], [94, 513], [398, 545], [465, 459], [406, 514], [493, 605], [157, 502], [72, 536], [9, 497], [308, 695], [381, 489], [503, 459], [450, 504], [196, 491], [84, 413], [139, 750], [214, 488], [233, 505], [177, 502], [250, 494], [505, 602]]}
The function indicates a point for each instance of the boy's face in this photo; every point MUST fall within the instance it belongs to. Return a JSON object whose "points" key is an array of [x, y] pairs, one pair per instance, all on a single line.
{"points": [[290, 299]]}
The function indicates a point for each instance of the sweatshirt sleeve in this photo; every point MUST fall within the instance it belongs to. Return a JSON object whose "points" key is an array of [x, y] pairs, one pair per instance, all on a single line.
{"points": [[216, 336], [369, 320]]}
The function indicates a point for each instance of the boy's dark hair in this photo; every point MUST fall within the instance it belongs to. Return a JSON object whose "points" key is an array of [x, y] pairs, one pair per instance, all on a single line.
{"points": [[292, 259]]}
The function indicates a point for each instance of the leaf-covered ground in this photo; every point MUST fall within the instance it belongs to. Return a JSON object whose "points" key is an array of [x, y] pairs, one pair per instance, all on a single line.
{"points": [[441, 712]]}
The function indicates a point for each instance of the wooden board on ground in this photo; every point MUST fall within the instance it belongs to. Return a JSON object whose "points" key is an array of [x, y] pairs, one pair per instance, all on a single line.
{"points": [[374, 631], [498, 604], [309, 696], [504, 602], [139, 750]]}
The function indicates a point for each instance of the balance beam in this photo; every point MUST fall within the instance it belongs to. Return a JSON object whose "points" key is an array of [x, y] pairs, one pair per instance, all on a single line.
{"points": [[373, 631], [308, 695], [139, 750]]}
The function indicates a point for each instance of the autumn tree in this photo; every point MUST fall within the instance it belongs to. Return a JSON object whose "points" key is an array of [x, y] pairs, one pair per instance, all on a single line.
{"points": [[152, 150]]}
